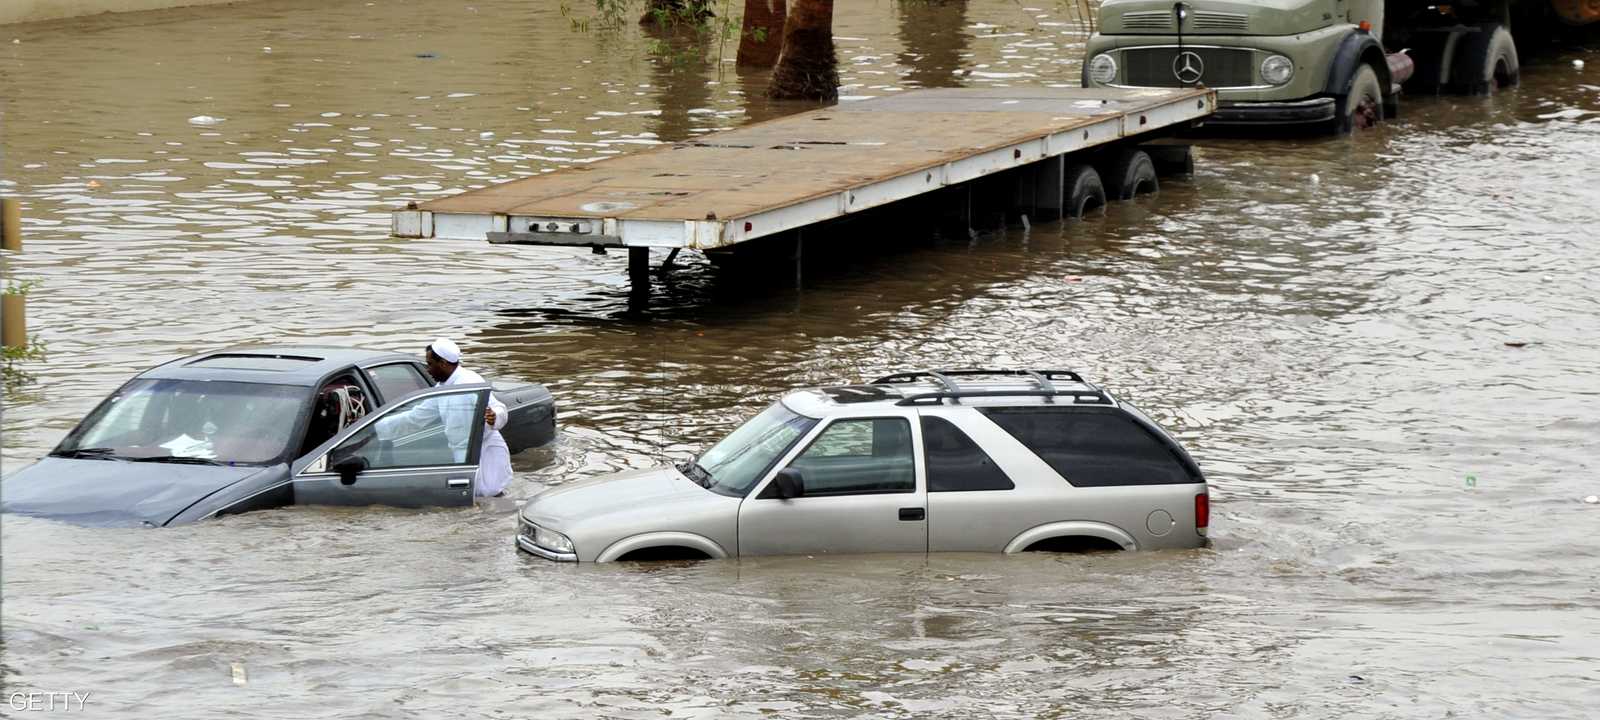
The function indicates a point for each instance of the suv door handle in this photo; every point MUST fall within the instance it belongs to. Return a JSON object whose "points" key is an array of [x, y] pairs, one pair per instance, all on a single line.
{"points": [[913, 513], [458, 482]]}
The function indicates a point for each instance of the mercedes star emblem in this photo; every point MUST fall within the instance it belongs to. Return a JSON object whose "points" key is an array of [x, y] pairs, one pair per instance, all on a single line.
{"points": [[1188, 67]]}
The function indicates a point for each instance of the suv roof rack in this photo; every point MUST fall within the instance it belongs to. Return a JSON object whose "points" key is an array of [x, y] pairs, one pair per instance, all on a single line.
{"points": [[955, 392]]}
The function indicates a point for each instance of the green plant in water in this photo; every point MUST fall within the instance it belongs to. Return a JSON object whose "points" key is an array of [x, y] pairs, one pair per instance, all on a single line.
{"points": [[11, 375], [697, 20]]}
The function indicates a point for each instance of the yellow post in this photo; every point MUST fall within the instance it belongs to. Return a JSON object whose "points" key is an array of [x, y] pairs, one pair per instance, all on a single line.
{"points": [[13, 320], [11, 223], [14, 326]]}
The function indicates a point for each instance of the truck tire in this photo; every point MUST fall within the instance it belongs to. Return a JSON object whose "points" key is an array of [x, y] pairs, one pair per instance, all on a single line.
{"points": [[1084, 192], [1361, 108], [1171, 159], [1485, 61], [1129, 172], [1432, 54]]}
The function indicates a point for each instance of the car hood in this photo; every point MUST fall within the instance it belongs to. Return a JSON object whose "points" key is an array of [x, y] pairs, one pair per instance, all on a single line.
{"points": [[112, 492], [622, 492], [597, 514]]}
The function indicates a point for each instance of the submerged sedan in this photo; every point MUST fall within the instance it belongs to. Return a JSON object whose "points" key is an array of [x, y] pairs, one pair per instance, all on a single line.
{"points": [[253, 428]]}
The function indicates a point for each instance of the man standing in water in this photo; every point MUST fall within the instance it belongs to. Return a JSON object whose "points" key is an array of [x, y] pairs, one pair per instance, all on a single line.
{"points": [[494, 461]]}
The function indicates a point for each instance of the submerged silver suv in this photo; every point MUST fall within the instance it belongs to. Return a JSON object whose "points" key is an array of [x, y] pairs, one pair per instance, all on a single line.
{"points": [[972, 460]]}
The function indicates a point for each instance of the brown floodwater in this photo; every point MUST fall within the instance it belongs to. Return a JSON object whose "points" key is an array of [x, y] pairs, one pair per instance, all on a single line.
{"points": [[1327, 324]]}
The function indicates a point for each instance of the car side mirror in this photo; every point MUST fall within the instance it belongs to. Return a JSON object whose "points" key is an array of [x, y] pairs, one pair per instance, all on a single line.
{"points": [[349, 468], [790, 484]]}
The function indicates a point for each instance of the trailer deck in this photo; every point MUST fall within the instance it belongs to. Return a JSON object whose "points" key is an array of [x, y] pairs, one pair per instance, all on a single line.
{"points": [[729, 187]]}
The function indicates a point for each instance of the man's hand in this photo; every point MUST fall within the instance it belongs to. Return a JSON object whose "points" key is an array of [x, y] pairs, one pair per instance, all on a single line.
{"points": [[488, 416]]}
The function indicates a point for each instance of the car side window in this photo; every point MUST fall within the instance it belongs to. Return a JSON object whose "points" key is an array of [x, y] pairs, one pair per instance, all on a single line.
{"points": [[955, 463], [397, 379], [859, 456], [1093, 448], [427, 431], [338, 404]]}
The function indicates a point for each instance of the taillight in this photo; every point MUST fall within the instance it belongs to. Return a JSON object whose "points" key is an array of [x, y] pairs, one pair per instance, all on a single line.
{"points": [[1202, 511]]}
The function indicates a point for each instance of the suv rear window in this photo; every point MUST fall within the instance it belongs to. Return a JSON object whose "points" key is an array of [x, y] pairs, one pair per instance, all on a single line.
{"points": [[1093, 448], [955, 463]]}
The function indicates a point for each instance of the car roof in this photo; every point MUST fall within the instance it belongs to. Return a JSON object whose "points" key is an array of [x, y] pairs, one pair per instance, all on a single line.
{"points": [[305, 365], [981, 388]]}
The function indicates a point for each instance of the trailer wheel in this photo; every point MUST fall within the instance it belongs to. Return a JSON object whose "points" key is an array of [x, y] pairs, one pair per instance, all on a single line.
{"points": [[1432, 55], [1085, 192], [1362, 107], [1129, 173], [1485, 61]]}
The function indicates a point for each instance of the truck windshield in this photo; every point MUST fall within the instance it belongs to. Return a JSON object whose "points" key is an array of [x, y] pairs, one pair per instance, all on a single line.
{"points": [[738, 461], [189, 421]]}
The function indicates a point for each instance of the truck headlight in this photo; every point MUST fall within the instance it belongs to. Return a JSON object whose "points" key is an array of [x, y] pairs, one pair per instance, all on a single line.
{"points": [[1277, 70], [1103, 69], [551, 540]]}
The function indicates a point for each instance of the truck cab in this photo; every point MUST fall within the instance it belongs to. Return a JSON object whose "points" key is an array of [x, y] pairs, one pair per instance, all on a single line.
{"points": [[1318, 64]]}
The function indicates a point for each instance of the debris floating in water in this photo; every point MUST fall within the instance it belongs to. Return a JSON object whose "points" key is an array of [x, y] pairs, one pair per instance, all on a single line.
{"points": [[1577, 64], [205, 120], [238, 675], [1516, 343], [1592, 500], [1316, 179]]}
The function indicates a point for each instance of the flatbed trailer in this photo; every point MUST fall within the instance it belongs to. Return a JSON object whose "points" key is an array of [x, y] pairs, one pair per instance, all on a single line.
{"points": [[723, 189]]}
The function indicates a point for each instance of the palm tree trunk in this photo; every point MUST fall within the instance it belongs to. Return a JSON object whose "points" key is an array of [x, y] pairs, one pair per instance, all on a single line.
{"points": [[761, 39], [807, 68]]}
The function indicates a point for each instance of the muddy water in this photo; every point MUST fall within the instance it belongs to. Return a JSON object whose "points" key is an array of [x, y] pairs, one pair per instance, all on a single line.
{"points": [[1325, 324]]}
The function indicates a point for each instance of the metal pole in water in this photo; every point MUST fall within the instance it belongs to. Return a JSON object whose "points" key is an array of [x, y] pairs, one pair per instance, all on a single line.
{"points": [[13, 324], [11, 223], [799, 244], [639, 268], [13, 310]]}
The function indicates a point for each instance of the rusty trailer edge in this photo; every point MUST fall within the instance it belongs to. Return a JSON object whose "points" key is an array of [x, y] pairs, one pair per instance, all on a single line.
{"points": [[500, 213]]}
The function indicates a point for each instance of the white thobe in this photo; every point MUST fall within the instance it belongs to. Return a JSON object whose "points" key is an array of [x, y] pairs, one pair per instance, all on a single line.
{"points": [[494, 458]]}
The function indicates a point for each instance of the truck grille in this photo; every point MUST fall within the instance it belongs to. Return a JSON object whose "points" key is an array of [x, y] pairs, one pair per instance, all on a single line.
{"points": [[1221, 22], [1157, 20], [1219, 67]]}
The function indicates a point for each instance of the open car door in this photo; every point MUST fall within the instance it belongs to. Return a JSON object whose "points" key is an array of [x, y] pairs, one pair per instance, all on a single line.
{"points": [[419, 450]]}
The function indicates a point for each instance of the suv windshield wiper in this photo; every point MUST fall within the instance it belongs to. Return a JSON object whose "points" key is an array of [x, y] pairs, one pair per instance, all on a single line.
{"points": [[176, 459], [696, 473], [94, 452]]}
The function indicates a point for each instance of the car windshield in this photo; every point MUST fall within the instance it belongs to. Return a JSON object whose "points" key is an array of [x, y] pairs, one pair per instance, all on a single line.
{"points": [[739, 460], [189, 421]]}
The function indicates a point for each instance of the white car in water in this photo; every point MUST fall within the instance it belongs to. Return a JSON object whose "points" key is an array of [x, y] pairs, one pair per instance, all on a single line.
{"points": [[975, 460]]}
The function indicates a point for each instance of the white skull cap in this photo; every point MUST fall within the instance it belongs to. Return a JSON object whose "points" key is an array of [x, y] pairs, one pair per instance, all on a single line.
{"points": [[446, 350]]}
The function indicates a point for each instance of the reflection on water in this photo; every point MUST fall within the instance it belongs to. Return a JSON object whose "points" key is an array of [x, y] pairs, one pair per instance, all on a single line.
{"points": [[1324, 323]]}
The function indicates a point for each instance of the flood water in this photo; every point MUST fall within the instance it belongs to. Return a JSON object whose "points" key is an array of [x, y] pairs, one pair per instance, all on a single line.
{"points": [[1381, 349]]}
